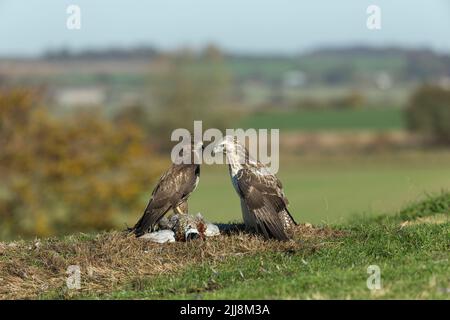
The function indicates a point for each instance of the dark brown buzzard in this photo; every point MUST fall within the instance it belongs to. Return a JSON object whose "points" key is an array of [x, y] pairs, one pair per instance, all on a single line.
{"points": [[172, 192]]}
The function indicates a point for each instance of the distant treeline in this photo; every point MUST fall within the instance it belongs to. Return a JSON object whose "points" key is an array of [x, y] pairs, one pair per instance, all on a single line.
{"points": [[329, 66], [101, 54]]}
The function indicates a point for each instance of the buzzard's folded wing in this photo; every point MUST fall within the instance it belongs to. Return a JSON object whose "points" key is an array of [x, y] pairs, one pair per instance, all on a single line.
{"points": [[265, 200], [172, 190]]}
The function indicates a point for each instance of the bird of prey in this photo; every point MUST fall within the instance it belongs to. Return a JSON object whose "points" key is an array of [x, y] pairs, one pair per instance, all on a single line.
{"points": [[172, 191], [263, 202]]}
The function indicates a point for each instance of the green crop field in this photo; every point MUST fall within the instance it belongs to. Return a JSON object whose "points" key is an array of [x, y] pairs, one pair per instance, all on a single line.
{"points": [[333, 188], [363, 119]]}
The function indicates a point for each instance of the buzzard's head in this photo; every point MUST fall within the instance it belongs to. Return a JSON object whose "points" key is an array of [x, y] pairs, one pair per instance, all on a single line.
{"points": [[228, 144], [193, 150], [197, 148]]}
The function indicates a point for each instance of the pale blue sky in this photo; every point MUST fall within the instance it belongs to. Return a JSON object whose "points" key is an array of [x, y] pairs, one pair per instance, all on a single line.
{"points": [[29, 27]]}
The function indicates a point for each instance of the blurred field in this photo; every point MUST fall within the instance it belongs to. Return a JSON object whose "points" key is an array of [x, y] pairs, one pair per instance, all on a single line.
{"points": [[367, 119], [86, 135], [333, 188]]}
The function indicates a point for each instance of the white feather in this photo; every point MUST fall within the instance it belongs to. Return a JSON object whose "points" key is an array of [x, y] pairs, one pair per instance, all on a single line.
{"points": [[161, 236]]}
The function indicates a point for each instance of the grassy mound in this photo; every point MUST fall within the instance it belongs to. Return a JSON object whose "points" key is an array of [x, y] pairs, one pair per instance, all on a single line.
{"points": [[410, 248]]}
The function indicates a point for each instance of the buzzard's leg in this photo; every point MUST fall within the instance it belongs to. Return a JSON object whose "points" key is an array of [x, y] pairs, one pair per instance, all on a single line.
{"points": [[177, 210], [182, 208]]}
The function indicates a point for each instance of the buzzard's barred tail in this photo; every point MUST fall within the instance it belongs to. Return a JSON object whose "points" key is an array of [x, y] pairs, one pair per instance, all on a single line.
{"points": [[143, 225], [271, 232], [270, 224], [289, 216], [148, 221], [138, 229]]}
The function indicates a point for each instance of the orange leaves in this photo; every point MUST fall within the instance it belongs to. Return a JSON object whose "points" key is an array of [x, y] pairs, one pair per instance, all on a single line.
{"points": [[63, 174]]}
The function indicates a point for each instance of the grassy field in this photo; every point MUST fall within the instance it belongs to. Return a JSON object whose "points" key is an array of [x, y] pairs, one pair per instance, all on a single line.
{"points": [[332, 188], [410, 248], [364, 119]]}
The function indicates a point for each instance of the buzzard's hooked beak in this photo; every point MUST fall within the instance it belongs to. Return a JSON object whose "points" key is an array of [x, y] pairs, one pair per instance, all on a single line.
{"points": [[217, 149]]}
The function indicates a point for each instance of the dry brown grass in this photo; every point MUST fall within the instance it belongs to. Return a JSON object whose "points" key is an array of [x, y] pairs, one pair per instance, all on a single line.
{"points": [[29, 269], [434, 219]]}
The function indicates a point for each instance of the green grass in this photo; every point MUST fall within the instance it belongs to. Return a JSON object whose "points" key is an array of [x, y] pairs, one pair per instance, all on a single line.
{"points": [[414, 263], [410, 247], [332, 188], [364, 119]]}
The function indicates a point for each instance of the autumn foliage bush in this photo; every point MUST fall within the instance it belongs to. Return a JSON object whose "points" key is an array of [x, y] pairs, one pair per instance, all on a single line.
{"points": [[81, 172], [428, 113]]}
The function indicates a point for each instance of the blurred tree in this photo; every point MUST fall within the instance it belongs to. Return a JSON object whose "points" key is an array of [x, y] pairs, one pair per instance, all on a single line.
{"points": [[212, 53], [428, 112], [68, 174], [191, 87], [353, 100], [134, 114]]}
